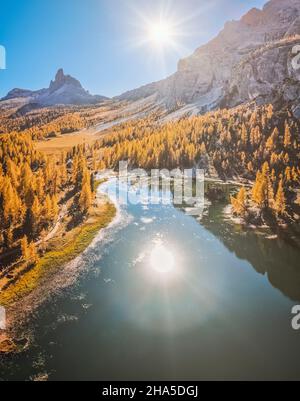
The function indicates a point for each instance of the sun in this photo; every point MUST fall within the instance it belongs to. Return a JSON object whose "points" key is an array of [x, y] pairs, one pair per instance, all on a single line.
{"points": [[161, 33]]}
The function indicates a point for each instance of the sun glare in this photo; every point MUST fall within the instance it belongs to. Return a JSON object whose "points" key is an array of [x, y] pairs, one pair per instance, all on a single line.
{"points": [[160, 33]]}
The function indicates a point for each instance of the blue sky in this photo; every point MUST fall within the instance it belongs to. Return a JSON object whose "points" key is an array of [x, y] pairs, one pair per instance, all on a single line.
{"points": [[99, 41]]}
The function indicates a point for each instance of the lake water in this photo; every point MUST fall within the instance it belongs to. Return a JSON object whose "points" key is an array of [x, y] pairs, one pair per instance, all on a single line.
{"points": [[168, 297]]}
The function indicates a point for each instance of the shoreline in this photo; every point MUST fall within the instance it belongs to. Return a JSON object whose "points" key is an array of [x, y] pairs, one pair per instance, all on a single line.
{"points": [[55, 271], [269, 231]]}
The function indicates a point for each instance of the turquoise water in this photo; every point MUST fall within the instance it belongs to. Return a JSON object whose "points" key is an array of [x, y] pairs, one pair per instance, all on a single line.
{"points": [[168, 297]]}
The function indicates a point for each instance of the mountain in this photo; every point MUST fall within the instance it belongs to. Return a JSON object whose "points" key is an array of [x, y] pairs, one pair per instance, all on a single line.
{"points": [[63, 90], [250, 60], [22, 93]]}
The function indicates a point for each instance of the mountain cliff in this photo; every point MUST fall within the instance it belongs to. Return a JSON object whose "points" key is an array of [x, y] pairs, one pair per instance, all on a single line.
{"points": [[250, 59], [63, 90]]}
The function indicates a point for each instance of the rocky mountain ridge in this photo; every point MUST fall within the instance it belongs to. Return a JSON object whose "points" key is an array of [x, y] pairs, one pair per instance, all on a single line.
{"points": [[64, 90]]}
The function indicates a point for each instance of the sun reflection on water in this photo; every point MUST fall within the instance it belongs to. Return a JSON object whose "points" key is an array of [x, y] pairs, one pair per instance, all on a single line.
{"points": [[161, 259]]}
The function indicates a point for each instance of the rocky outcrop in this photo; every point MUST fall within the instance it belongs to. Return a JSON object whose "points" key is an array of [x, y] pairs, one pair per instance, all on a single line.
{"points": [[63, 90], [61, 80], [266, 76], [249, 59]]}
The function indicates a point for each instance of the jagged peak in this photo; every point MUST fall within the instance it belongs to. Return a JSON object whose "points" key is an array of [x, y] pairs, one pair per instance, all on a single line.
{"points": [[62, 79], [59, 75]]}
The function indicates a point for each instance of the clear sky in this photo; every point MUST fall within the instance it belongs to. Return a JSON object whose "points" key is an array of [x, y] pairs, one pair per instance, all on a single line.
{"points": [[103, 42]]}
